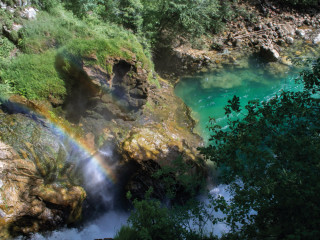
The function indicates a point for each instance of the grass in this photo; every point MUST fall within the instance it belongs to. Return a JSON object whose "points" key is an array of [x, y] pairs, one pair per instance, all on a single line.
{"points": [[6, 47], [50, 31], [32, 73], [104, 49], [34, 76], [81, 37]]}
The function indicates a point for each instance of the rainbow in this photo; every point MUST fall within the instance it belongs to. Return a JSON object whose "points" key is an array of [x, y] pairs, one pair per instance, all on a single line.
{"points": [[56, 126]]}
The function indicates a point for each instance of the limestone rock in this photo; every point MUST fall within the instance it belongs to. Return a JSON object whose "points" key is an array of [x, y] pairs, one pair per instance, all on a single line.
{"points": [[16, 27], [268, 53], [316, 39], [289, 40], [24, 199], [29, 13], [3, 5], [300, 32], [29, 200], [288, 29], [127, 83]]}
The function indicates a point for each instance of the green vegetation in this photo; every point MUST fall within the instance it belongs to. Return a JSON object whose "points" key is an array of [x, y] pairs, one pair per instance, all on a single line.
{"points": [[33, 73], [151, 220], [159, 20], [50, 31], [34, 76], [127, 49], [6, 48], [179, 179]]}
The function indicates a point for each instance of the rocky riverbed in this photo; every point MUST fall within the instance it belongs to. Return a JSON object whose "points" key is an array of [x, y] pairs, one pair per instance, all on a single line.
{"points": [[274, 32]]}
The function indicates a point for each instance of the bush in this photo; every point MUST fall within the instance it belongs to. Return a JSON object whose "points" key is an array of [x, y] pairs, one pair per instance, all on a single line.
{"points": [[6, 47], [270, 159], [150, 220], [167, 19]]}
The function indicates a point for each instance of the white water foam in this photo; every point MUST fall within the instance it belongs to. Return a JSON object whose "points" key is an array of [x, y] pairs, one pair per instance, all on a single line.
{"points": [[104, 227]]}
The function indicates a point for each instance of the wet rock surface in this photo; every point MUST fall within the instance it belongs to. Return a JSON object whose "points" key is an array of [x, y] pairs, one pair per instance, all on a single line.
{"points": [[269, 53], [101, 93], [28, 205], [140, 117]]}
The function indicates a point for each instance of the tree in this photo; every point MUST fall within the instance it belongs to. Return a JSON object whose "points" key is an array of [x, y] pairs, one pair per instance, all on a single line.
{"points": [[191, 17], [164, 19], [271, 160]]}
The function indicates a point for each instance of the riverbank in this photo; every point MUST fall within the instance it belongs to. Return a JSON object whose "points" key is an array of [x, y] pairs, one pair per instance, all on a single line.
{"points": [[276, 33]]}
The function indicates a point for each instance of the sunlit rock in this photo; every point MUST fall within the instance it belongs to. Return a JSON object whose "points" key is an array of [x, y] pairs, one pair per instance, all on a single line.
{"points": [[316, 39], [268, 53], [29, 13], [34, 194]]}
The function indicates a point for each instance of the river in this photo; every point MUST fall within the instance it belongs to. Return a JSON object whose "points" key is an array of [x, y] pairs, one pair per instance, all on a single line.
{"points": [[206, 94]]}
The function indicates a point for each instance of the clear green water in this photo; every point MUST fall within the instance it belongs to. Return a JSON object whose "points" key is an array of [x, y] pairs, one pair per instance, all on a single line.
{"points": [[207, 93]]}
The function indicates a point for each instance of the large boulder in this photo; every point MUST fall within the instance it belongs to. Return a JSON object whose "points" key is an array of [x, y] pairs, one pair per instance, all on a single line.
{"points": [[29, 13], [316, 39], [269, 54], [125, 81]]}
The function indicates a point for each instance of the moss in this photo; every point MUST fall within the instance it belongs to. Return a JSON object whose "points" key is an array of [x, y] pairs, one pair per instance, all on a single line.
{"points": [[153, 80], [103, 49], [34, 76], [81, 37]]}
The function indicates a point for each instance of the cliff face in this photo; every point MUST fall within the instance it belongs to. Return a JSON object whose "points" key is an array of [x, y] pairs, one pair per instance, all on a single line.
{"points": [[118, 103], [131, 109]]}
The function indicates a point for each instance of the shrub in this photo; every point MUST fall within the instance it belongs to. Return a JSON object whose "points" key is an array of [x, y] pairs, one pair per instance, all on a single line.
{"points": [[5, 47]]}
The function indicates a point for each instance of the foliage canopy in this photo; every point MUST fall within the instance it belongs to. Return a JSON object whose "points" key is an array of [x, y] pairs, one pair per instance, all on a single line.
{"points": [[270, 160]]}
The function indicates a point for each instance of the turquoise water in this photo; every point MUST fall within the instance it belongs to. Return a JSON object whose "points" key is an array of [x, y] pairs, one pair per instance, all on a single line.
{"points": [[207, 93]]}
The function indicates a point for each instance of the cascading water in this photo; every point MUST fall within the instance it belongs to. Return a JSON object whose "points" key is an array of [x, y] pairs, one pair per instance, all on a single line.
{"points": [[99, 182]]}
